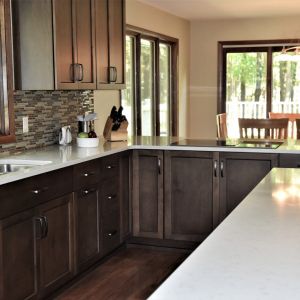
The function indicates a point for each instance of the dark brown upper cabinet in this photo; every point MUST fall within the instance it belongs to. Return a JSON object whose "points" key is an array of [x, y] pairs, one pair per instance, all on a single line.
{"points": [[74, 44], [6, 75], [110, 41]]}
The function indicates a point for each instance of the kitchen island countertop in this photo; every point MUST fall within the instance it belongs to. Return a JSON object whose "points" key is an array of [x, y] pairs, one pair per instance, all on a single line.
{"points": [[64, 156], [253, 254]]}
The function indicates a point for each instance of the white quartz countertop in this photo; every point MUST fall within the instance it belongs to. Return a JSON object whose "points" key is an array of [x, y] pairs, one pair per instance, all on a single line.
{"points": [[253, 254], [63, 156]]}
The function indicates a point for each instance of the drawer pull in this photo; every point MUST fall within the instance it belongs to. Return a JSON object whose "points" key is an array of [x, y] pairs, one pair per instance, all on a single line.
{"points": [[110, 234], [111, 197], [88, 174], [39, 191], [36, 192], [110, 167], [86, 192]]}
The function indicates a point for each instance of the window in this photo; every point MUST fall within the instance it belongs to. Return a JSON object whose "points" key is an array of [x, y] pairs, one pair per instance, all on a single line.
{"points": [[254, 83], [150, 98]]}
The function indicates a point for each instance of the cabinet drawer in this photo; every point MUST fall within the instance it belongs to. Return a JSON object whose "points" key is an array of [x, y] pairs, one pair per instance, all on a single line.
{"points": [[23, 194], [289, 161], [110, 230], [86, 174], [110, 195], [110, 167]]}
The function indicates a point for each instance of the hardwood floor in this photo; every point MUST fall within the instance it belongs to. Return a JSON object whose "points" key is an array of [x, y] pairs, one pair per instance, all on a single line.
{"points": [[132, 273]]}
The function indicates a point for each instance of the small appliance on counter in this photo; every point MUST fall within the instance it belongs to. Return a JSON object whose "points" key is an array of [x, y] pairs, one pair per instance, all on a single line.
{"points": [[65, 135], [87, 136], [115, 128]]}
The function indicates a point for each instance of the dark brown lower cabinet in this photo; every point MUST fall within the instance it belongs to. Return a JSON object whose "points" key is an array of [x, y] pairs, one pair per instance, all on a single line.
{"points": [[110, 215], [239, 174], [188, 192], [147, 198], [87, 211], [18, 257], [56, 248]]}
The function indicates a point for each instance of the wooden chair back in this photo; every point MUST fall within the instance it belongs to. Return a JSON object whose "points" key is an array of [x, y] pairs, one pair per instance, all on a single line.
{"points": [[266, 128], [297, 121], [292, 121], [222, 126]]}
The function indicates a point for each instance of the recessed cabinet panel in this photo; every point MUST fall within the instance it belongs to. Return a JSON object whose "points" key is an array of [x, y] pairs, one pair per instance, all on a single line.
{"points": [[116, 38], [65, 52], [188, 195], [18, 279], [240, 173], [148, 194], [56, 247], [85, 40], [88, 225]]}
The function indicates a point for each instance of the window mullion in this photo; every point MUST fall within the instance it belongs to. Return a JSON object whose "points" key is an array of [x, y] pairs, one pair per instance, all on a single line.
{"points": [[156, 89], [138, 85], [269, 82]]}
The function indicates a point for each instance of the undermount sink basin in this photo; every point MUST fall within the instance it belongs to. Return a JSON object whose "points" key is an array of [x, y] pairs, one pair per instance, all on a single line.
{"points": [[15, 165]]}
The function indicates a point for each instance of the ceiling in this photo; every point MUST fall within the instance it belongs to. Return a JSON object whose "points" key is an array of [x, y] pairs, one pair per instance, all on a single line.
{"points": [[227, 9]]}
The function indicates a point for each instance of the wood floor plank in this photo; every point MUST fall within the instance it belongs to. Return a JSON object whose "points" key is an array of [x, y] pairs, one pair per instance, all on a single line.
{"points": [[133, 274]]}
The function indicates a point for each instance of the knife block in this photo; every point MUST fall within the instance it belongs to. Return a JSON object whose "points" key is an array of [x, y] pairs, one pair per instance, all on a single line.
{"points": [[115, 135]]}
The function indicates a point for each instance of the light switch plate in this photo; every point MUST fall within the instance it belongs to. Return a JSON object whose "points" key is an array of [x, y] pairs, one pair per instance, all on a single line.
{"points": [[25, 125]]}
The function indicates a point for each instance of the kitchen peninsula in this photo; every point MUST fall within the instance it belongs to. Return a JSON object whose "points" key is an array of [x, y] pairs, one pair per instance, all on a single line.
{"points": [[87, 202]]}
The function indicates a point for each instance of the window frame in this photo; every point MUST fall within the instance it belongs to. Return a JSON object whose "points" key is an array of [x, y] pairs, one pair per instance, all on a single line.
{"points": [[138, 34], [7, 133], [268, 46]]}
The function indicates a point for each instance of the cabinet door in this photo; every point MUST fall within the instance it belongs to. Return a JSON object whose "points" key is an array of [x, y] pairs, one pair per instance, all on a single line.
{"points": [[18, 273], [188, 195], [239, 174], [110, 49], [125, 184], [87, 226], [116, 38], [148, 194], [56, 248], [65, 40], [110, 215], [85, 40]]}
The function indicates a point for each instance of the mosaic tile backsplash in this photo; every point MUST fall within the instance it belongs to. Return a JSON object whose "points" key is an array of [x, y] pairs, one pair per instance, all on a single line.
{"points": [[48, 111]]}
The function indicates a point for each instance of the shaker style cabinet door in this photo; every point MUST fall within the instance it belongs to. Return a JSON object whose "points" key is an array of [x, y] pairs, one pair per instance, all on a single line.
{"points": [[188, 195], [239, 174], [110, 43], [56, 245], [18, 257], [87, 208], [74, 42], [148, 194]]}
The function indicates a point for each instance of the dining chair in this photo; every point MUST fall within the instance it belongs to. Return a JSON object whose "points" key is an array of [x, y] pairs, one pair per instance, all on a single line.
{"points": [[266, 128], [292, 121], [222, 126], [297, 121]]}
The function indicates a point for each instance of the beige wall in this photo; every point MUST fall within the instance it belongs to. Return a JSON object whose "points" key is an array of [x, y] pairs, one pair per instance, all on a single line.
{"points": [[203, 72], [147, 17]]}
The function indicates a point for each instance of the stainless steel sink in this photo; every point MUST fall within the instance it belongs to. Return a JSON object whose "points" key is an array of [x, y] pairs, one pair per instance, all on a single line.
{"points": [[15, 165]]}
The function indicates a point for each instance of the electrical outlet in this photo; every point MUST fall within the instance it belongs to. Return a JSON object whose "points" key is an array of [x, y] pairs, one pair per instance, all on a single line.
{"points": [[25, 125]]}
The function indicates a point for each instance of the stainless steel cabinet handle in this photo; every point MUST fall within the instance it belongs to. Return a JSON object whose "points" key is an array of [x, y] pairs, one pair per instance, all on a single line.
{"points": [[216, 168], [222, 168], [80, 77], [159, 165], [39, 221], [36, 192], [88, 174], [87, 192], [45, 227], [111, 197], [109, 167], [110, 234], [112, 74]]}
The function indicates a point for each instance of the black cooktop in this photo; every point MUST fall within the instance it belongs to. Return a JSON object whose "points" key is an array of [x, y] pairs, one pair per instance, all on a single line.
{"points": [[234, 143]]}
